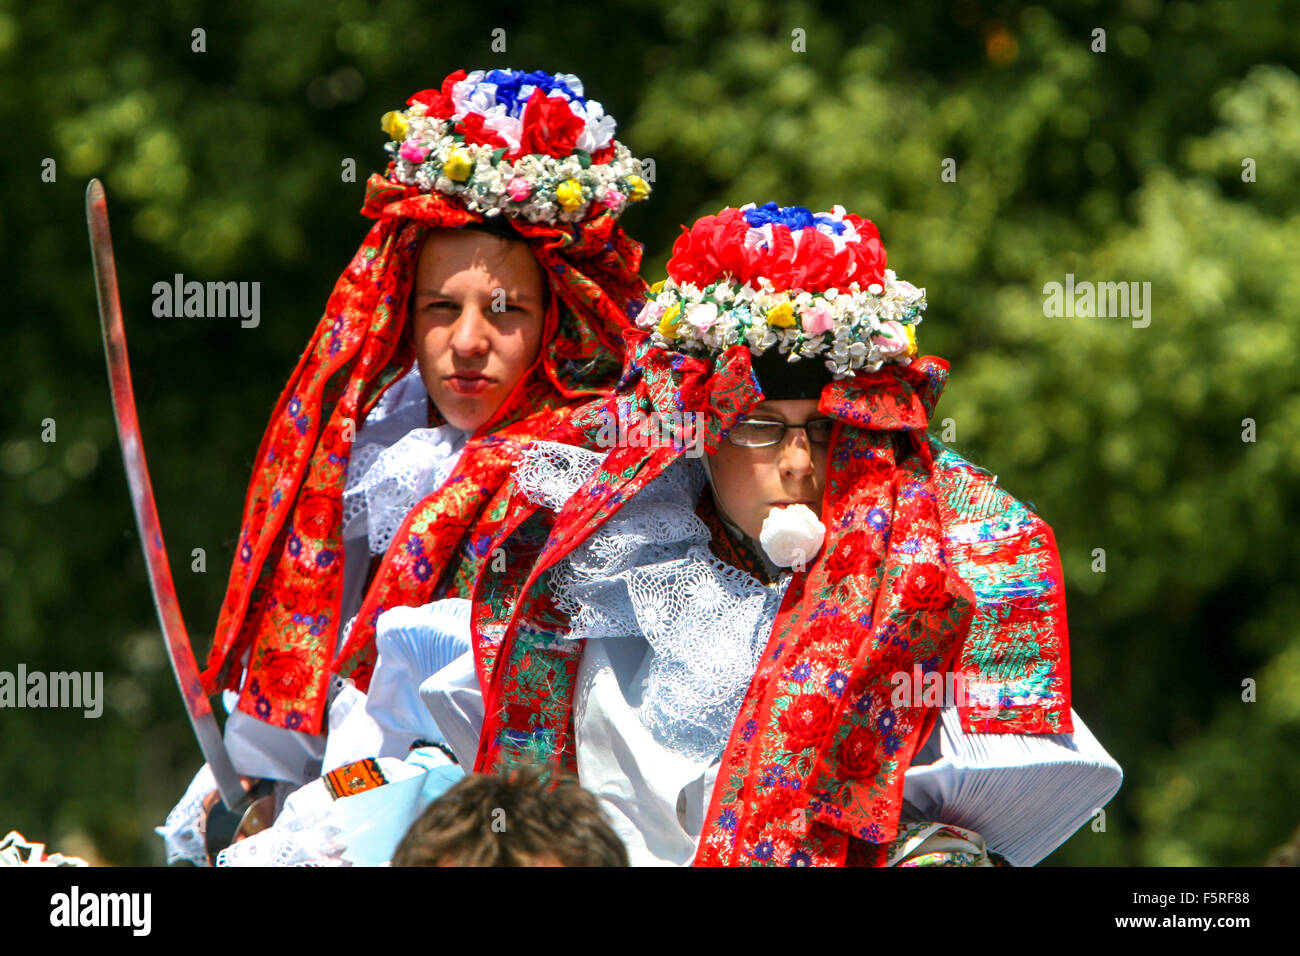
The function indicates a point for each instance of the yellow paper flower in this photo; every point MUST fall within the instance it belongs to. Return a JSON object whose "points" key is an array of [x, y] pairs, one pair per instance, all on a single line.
{"points": [[658, 287], [782, 316], [911, 340], [638, 188], [458, 165], [395, 125], [669, 321], [569, 193]]}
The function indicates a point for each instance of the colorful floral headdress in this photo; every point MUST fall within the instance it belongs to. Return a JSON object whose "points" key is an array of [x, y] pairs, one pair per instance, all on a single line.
{"points": [[812, 284], [507, 142]]}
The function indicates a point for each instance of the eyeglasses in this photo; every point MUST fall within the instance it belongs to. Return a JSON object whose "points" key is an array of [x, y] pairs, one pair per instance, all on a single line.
{"points": [[761, 432]]}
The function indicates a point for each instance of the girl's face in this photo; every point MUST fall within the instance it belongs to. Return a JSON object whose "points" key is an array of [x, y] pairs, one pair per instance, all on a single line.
{"points": [[749, 482], [477, 306]]}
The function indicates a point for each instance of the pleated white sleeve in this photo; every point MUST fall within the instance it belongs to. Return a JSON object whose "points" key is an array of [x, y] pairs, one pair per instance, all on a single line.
{"points": [[455, 701], [1026, 794]]}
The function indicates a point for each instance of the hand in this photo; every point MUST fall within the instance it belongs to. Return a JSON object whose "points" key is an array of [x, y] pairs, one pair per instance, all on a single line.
{"points": [[252, 821], [213, 796]]}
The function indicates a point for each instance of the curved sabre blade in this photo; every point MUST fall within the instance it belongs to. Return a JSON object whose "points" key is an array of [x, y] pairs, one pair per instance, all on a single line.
{"points": [[146, 513]]}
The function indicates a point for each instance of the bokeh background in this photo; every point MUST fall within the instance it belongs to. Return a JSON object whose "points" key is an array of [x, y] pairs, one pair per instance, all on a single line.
{"points": [[1117, 166]]}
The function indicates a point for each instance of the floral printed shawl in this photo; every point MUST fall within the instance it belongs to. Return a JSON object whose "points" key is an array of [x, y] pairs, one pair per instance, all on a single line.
{"points": [[926, 564]]}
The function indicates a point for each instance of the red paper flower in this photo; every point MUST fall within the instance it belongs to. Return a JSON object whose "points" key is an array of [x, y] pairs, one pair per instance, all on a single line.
{"points": [[858, 755], [476, 134], [923, 589], [439, 102], [713, 248], [806, 721], [550, 128]]}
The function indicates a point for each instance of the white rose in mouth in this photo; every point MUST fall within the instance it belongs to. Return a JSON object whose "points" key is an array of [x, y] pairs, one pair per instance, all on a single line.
{"points": [[792, 535]]}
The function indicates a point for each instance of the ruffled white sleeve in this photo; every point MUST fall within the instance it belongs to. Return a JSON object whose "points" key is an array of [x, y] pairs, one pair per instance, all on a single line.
{"points": [[455, 701], [1024, 793], [184, 834], [414, 643]]}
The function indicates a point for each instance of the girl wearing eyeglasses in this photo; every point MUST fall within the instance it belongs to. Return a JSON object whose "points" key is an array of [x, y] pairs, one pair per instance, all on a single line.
{"points": [[829, 640]]}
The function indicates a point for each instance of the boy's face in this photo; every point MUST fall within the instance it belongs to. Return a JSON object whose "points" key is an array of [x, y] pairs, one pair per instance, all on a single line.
{"points": [[472, 355], [749, 482]]}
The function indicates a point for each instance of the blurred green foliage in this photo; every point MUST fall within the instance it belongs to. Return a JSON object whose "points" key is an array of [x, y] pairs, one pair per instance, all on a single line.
{"points": [[1125, 165]]}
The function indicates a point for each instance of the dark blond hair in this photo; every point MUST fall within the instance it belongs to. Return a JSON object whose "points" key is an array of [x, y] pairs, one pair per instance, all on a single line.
{"points": [[528, 817]]}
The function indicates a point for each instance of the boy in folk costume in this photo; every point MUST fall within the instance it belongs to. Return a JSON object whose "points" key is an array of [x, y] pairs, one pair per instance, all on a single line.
{"points": [[488, 299], [722, 668]]}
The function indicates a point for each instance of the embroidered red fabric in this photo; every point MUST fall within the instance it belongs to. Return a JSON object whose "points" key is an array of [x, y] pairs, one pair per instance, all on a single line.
{"points": [[813, 772], [283, 599]]}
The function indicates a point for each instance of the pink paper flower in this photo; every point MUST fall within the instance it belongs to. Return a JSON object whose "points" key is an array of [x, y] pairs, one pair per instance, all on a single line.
{"points": [[817, 320], [613, 199], [650, 315], [414, 152], [519, 189], [892, 339]]}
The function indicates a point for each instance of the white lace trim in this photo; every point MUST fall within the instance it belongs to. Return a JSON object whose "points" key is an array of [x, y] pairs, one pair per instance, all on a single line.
{"points": [[385, 483], [551, 472], [395, 462], [648, 571], [313, 829], [306, 840], [185, 832], [301, 835], [17, 850]]}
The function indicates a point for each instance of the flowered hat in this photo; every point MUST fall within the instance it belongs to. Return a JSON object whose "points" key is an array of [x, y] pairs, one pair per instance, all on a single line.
{"points": [[461, 153], [794, 285], [927, 565], [530, 146]]}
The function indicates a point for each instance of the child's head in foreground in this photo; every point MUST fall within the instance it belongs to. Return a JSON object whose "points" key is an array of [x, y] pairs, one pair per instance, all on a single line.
{"points": [[525, 818]]}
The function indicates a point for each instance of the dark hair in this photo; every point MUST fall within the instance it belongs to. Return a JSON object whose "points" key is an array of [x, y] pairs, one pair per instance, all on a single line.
{"points": [[521, 819], [496, 226], [779, 378]]}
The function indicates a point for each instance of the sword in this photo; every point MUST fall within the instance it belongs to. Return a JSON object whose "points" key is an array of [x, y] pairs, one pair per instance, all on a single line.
{"points": [[146, 513]]}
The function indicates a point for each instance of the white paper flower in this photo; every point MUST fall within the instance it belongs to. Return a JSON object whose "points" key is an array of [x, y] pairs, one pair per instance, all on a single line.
{"points": [[791, 535], [703, 316]]}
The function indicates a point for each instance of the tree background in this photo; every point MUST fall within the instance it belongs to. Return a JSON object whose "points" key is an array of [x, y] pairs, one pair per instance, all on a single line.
{"points": [[1123, 165]]}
